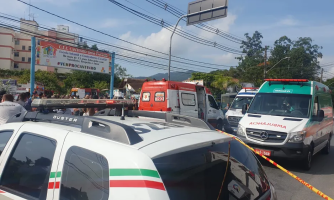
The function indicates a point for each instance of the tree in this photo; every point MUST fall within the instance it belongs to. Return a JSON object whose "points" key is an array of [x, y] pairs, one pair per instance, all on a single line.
{"points": [[101, 85], [47, 79], [303, 62], [121, 72], [249, 68], [94, 47]]}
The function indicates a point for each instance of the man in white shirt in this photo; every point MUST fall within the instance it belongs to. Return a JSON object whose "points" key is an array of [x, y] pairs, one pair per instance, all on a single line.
{"points": [[8, 108]]}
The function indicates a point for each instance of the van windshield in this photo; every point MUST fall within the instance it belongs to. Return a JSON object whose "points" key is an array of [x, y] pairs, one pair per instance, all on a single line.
{"points": [[277, 104], [240, 101]]}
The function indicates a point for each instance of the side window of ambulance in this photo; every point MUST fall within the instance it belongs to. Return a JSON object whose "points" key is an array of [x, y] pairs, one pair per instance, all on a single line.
{"points": [[85, 175], [4, 137], [159, 97], [212, 102], [188, 99], [27, 170], [146, 96]]}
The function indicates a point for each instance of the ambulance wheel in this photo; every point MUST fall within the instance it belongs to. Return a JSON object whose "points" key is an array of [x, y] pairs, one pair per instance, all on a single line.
{"points": [[327, 148], [307, 161], [220, 125]]}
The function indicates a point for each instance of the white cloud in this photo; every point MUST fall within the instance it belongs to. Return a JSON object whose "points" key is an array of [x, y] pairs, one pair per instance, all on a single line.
{"points": [[160, 42], [226, 59], [112, 23], [223, 24], [13, 7], [288, 21], [182, 47]]}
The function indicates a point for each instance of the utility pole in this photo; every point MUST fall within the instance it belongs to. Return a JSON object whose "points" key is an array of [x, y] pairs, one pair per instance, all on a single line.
{"points": [[322, 73], [265, 62]]}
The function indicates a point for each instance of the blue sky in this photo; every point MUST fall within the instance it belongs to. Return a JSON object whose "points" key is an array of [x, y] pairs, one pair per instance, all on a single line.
{"points": [[294, 18]]}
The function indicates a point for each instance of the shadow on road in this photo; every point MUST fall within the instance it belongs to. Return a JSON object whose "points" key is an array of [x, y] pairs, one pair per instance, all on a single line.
{"points": [[321, 164]]}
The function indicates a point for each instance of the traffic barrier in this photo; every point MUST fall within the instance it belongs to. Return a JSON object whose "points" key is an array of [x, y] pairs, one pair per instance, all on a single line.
{"points": [[315, 190]]}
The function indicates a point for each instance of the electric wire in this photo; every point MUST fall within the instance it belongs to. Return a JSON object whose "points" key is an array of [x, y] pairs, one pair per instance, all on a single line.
{"points": [[123, 48], [202, 26], [178, 31], [40, 9]]}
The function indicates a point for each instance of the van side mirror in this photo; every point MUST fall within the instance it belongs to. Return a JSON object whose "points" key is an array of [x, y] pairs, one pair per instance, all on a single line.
{"points": [[320, 115], [244, 109]]}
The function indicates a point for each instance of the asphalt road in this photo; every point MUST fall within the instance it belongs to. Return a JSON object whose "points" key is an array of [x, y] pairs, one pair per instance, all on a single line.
{"points": [[321, 176]]}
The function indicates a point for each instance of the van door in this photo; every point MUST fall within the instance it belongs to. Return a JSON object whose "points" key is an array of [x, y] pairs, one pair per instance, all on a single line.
{"points": [[212, 111], [188, 103]]}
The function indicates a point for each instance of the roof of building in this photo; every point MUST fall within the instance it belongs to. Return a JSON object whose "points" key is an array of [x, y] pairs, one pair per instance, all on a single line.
{"points": [[134, 83]]}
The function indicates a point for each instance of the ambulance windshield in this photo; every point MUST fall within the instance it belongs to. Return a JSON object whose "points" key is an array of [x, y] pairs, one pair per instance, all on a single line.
{"points": [[240, 101], [277, 104]]}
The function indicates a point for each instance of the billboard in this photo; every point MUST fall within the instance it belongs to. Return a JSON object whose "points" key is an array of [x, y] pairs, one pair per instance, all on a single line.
{"points": [[68, 57]]}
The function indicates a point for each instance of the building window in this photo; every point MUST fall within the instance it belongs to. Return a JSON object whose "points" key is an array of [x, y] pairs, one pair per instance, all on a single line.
{"points": [[29, 59], [12, 51], [29, 48], [23, 59], [23, 47], [17, 42], [16, 54], [16, 66]]}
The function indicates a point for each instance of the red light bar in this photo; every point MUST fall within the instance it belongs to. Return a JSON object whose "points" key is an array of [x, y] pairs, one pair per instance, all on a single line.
{"points": [[287, 80]]}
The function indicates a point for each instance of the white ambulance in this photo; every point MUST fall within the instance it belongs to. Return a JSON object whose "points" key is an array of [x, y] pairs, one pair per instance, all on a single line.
{"points": [[289, 118], [181, 98], [234, 113]]}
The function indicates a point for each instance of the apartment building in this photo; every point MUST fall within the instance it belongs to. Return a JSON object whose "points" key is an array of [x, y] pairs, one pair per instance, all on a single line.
{"points": [[15, 47]]}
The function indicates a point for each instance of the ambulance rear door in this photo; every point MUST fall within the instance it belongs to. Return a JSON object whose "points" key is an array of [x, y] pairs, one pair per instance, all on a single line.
{"points": [[188, 103]]}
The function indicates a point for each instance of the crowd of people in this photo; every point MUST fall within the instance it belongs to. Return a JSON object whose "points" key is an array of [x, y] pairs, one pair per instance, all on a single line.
{"points": [[9, 106]]}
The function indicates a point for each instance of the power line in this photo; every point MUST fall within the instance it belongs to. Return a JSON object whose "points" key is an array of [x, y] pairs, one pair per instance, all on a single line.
{"points": [[114, 36], [123, 48], [31, 33], [178, 31], [174, 11]]}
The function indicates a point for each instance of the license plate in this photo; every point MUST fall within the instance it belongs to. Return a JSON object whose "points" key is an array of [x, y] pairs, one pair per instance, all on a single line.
{"points": [[263, 152]]}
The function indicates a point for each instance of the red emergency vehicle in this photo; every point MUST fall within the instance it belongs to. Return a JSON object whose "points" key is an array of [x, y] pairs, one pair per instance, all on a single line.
{"points": [[181, 98]]}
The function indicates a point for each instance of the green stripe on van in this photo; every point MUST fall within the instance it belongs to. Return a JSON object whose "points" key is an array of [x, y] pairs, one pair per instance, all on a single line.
{"points": [[290, 88], [55, 174], [134, 172]]}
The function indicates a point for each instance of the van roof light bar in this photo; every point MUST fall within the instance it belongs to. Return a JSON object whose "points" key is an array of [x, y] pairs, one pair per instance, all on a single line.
{"points": [[82, 103], [107, 129]]}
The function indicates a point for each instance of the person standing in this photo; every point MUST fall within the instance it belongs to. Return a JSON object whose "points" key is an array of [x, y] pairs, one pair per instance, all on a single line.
{"points": [[22, 99], [8, 108]]}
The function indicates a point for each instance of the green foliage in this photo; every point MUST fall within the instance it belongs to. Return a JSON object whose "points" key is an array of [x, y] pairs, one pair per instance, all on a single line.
{"points": [[94, 47], [5, 73], [47, 79], [101, 85], [121, 72]]}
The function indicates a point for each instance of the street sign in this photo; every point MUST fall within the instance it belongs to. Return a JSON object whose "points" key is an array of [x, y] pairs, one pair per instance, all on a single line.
{"points": [[206, 10]]}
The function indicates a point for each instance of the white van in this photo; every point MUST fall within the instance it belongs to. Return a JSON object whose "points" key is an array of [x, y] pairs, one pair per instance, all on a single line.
{"points": [[289, 118], [234, 113]]}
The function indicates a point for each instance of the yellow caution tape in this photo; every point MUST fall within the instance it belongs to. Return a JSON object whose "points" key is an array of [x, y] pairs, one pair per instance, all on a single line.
{"points": [[318, 192]]}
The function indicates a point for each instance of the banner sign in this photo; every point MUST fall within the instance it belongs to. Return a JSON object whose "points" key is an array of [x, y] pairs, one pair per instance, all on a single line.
{"points": [[63, 56]]}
